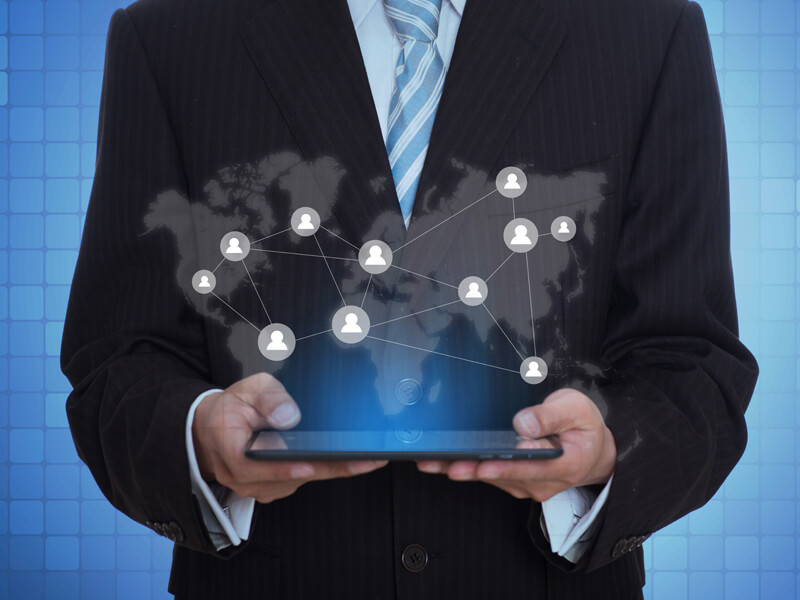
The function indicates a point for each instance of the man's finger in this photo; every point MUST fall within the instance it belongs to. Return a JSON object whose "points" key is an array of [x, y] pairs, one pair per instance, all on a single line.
{"points": [[433, 466], [273, 405], [301, 472], [561, 411], [545, 443], [271, 491], [253, 472], [257, 383], [528, 471], [333, 469], [462, 470]]}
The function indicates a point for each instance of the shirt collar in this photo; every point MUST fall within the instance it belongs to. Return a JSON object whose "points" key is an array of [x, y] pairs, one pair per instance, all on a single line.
{"points": [[359, 9], [458, 5]]}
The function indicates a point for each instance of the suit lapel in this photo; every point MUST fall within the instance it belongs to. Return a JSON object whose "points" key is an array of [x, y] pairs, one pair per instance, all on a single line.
{"points": [[503, 49], [308, 55]]}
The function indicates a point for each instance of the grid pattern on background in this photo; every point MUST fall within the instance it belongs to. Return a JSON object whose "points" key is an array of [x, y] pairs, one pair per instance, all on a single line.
{"points": [[59, 538]]}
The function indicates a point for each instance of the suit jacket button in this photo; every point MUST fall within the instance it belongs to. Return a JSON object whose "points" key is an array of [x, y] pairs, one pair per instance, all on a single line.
{"points": [[408, 391], [414, 558], [176, 533]]}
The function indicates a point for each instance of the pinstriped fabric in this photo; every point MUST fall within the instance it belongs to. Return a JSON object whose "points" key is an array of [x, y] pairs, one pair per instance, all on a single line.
{"points": [[138, 371], [185, 97], [419, 79]]}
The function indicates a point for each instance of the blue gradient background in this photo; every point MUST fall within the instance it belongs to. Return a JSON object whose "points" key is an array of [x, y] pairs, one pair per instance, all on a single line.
{"points": [[59, 538]]}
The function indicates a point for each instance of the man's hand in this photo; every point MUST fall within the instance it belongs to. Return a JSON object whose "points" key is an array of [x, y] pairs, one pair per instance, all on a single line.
{"points": [[223, 424], [590, 453]]}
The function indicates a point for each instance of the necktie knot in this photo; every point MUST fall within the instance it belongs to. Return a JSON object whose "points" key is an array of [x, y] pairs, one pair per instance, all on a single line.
{"points": [[414, 19]]}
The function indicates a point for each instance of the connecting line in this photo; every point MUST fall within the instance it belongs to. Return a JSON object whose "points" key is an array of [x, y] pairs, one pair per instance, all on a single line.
{"points": [[514, 207], [329, 270], [271, 235], [530, 297], [455, 287], [340, 237], [305, 337], [503, 332], [219, 265], [501, 264], [413, 314], [301, 254], [455, 214], [443, 354], [236, 311], [544, 234], [255, 289], [366, 289]]}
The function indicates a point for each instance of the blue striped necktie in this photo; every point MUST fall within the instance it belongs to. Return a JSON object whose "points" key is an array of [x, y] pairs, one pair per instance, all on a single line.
{"points": [[419, 78]]}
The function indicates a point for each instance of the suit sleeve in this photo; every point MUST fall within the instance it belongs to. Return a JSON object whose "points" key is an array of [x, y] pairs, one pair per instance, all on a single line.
{"points": [[132, 349], [674, 380]]}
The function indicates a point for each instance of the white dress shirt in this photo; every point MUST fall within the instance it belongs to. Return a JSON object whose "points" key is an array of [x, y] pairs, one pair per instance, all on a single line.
{"points": [[568, 518]]}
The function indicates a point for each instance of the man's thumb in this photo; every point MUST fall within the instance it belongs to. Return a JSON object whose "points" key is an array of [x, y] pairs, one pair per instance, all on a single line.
{"points": [[270, 399]]}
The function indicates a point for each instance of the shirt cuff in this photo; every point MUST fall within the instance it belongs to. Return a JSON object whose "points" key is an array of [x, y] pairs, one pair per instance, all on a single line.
{"points": [[568, 519], [226, 515]]}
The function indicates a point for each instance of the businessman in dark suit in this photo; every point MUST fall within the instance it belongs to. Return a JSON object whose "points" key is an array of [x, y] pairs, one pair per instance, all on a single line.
{"points": [[230, 116]]}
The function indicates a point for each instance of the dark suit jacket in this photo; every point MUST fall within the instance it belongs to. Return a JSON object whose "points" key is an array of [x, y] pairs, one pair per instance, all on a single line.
{"points": [[221, 116]]}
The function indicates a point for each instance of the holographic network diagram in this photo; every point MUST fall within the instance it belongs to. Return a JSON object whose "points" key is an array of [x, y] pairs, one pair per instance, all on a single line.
{"points": [[350, 324]]}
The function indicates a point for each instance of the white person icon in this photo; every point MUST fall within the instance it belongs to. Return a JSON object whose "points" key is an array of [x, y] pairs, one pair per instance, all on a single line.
{"points": [[305, 222], [350, 324], [375, 257], [533, 370], [276, 342]]}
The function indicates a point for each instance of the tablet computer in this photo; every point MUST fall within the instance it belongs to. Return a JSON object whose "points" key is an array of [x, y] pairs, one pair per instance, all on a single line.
{"points": [[403, 444]]}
